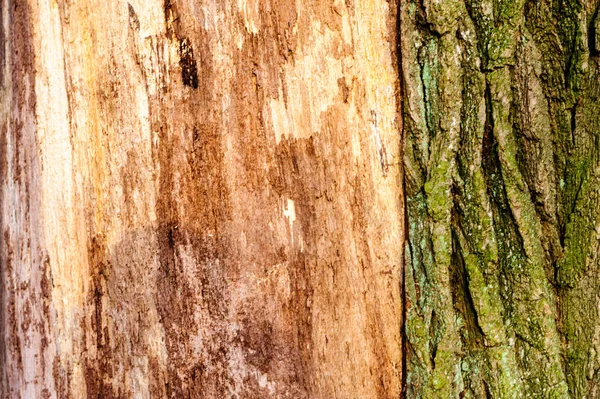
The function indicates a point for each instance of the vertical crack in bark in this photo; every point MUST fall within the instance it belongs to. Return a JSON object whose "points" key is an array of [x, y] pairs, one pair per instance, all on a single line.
{"points": [[403, 282], [594, 34], [462, 298], [404, 210]]}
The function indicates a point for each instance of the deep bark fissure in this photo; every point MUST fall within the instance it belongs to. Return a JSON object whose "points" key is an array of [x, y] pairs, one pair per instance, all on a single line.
{"points": [[462, 298], [405, 244]]}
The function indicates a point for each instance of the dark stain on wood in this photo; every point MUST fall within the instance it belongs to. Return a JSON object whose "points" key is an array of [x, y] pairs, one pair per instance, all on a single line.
{"points": [[187, 62]]}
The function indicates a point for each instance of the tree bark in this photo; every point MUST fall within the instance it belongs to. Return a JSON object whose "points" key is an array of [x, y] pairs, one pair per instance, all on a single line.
{"points": [[200, 199], [502, 185], [207, 199]]}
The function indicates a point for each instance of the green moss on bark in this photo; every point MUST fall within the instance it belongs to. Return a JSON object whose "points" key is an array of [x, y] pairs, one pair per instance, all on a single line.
{"points": [[501, 152]]}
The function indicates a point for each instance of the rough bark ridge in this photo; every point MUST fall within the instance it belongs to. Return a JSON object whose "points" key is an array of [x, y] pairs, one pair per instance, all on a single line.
{"points": [[501, 105], [200, 199]]}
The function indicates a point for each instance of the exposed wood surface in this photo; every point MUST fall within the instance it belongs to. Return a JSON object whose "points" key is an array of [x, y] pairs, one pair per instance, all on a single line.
{"points": [[200, 199]]}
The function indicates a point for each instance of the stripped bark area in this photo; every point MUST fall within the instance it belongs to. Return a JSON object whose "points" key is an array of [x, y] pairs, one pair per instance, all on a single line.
{"points": [[501, 157], [200, 199]]}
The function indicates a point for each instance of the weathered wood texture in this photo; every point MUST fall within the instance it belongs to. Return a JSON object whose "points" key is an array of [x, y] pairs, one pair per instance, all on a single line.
{"points": [[502, 126], [200, 199]]}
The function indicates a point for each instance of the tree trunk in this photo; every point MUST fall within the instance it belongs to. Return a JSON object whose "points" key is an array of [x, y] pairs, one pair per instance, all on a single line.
{"points": [[200, 199], [501, 123], [204, 200]]}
